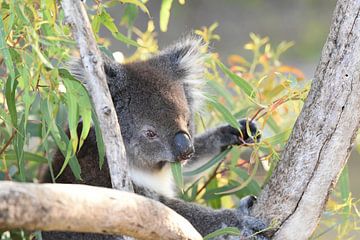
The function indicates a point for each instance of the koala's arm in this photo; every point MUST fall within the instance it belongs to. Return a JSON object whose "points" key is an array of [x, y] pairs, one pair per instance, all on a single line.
{"points": [[206, 220], [214, 141]]}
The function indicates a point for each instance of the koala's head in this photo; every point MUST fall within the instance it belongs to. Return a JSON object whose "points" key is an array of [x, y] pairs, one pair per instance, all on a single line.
{"points": [[155, 101]]}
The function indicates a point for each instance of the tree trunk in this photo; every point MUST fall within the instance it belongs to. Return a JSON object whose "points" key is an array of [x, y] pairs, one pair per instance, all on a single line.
{"points": [[96, 85], [82, 208], [323, 134]]}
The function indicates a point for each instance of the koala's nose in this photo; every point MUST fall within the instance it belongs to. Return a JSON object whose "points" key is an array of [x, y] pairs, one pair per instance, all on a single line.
{"points": [[184, 146]]}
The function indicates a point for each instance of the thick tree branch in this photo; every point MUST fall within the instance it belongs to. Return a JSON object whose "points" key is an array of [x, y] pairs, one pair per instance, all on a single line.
{"points": [[96, 85], [323, 135], [82, 208]]}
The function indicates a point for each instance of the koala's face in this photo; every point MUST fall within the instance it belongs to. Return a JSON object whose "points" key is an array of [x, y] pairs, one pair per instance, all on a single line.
{"points": [[155, 101], [159, 116]]}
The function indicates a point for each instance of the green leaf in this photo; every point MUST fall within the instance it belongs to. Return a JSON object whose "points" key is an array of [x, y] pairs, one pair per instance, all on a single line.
{"points": [[177, 174], [5, 51], [245, 183], [344, 185], [95, 23], [279, 138], [10, 90], [225, 113], [130, 14], [12, 15], [11, 156], [253, 186], [72, 107], [165, 14], [228, 230], [60, 138], [214, 203], [99, 139], [73, 161], [83, 105], [244, 85], [121, 37], [19, 147], [220, 89], [208, 164], [108, 22], [139, 4]]}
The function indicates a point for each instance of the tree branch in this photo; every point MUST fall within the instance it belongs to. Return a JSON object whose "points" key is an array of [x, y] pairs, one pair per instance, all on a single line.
{"points": [[96, 85], [82, 208], [323, 135]]}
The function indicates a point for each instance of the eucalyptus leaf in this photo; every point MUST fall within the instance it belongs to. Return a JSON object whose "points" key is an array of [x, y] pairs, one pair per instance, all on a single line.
{"points": [[165, 14], [244, 85], [176, 169], [227, 230]]}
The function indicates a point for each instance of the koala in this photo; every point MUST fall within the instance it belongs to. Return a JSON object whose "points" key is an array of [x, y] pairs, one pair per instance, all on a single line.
{"points": [[155, 102]]}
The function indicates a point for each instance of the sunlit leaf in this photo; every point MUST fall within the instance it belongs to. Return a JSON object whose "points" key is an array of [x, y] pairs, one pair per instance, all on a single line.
{"points": [[165, 14], [99, 139], [240, 82], [225, 113], [227, 230], [108, 22], [208, 164], [246, 181], [344, 186], [138, 3], [279, 138], [28, 156], [5, 51], [72, 108], [176, 169]]}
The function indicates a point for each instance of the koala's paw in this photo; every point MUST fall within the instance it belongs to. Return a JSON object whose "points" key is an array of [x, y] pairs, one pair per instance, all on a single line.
{"points": [[248, 133], [250, 226]]}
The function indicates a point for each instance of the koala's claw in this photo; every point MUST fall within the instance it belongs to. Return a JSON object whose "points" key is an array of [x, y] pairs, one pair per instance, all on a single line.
{"points": [[251, 228], [250, 225], [232, 136], [254, 132], [246, 203]]}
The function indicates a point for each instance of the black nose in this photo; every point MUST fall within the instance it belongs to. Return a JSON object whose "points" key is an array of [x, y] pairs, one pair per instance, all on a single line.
{"points": [[183, 145]]}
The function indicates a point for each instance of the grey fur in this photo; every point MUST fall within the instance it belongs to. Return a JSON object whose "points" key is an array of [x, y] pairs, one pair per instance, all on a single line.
{"points": [[160, 95]]}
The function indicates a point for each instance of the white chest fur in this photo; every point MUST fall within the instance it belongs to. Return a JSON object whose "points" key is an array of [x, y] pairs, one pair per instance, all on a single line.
{"points": [[161, 182]]}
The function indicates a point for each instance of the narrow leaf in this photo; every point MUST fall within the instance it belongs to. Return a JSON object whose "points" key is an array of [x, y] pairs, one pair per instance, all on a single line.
{"points": [[139, 4], [165, 14], [228, 230], [244, 85], [5, 51], [99, 139], [208, 164], [28, 156], [177, 174], [225, 113]]}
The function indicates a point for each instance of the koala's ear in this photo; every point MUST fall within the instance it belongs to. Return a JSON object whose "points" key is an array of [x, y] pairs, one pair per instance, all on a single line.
{"points": [[183, 59], [114, 71]]}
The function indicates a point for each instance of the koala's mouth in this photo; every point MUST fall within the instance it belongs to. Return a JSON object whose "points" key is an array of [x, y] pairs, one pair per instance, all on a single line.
{"points": [[161, 164]]}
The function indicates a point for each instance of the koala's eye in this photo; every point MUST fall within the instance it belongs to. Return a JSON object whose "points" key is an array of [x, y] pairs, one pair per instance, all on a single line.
{"points": [[150, 134]]}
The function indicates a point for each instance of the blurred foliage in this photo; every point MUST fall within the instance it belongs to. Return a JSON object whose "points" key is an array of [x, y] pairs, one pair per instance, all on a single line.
{"points": [[38, 97]]}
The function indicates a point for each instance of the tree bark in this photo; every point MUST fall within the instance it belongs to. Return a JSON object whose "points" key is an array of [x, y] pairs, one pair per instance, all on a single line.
{"points": [[82, 208], [96, 84], [323, 134]]}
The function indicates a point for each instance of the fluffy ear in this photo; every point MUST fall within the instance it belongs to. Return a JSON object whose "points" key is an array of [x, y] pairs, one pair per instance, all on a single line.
{"points": [[184, 61], [114, 71]]}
